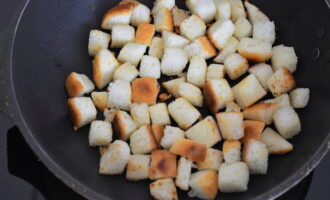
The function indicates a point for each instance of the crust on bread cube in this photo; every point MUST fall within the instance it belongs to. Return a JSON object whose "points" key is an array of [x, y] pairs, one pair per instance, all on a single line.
{"points": [[121, 35], [205, 10], [126, 72], [100, 133], [150, 67], [197, 69], [163, 165], [158, 131], [78, 85], [97, 41], [173, 40], [223, 9], [163, 20], [192, 150], [232, 106], [138, 167], [163, 4], [255, 155], [123, 125], [140, 114], [191, 93], [299, 97], [163, 189], [142, 141], [275, 143], [231, 125], [100, 100], [132, 53], [171, 134], [82, 111], [202, 46], [140, 15], [243, 28], [184, 171], [282, 100], [173, 61], [145, 90], [109, 115], [264, 30], [282, 81], [172, 86], [204, 184], [262, 111], [231, 151], [220, 32], [156, 47], [235, 66], [179, 15], [252, 130], [230, 48], [287, 122], [215, 71], [284, 56], [255, 50], [212, 160], [144, 34], [120, 14], [233, 177], [255, 15], [193, 27], [120, 95], [262, 71], [159, 114]]}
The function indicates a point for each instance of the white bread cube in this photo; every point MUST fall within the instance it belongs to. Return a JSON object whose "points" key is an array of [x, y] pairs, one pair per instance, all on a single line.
{"points": [[104, 65], [163, 165], [97, 40], [145, 33], [179, 15], [140, 15], [255, 155], [149, 67], [163, 189], [78, 85], [120, 95], [173, 61], [230, 48], [248, 91], [231, 151], [172, 86], [109, 115], [237, 10], [120, 14], [171, 134], [156, 47], [215, 71], [184, 171], [183, 113], [159, 114], [173, 40], [138, 167], [205, 132], [145, 90], [202, 47], [132, 53], [264, 30], [216, 94], [233, 177], [262, 111], [205, 10], [223, 9], [275, 143], [142, 141], [126, 72], [140, 114], [255, 50], [235, 66], [287, 122], [282, 100], [193, 27], [191, 93], [204, 184], [163, 20], [123, 125], [121, 35], [243, 28], [212, 160], [232, 106], [82, 111], [255, 15], [100, 133], [197, 69], [115, 159], [220, 32], [282, 81], [299, 97], [262, 71], [231, 125], [284, 56], [163, 4], [100, 100]]}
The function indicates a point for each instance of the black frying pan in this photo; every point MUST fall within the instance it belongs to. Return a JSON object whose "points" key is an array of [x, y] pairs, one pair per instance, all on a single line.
{"points": [[48, 40]]}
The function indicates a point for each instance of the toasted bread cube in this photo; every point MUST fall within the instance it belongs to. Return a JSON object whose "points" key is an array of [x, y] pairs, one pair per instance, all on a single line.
{"points": [[299, 97], [215, 71], [142, 141], [120, 14], [275, 143], [252, 130], [179, 15], [262, 111], [120, 95], [138, 167], [126, 72], [100, 100], [184, 171], [97, 41], [150, 67], [163, 20], [115, 159], [230, 48], [255, 155], [174, 61], [202, 46], [145, 33], [171, 134], [264, 30], [231, 125], [104, 65], [156, 47], [205, 10], [232, 106], [163, 165], [216, 94], [158, 131], [233, 177], [248, 91], [287, 122], [205, 132], [255, 15], [282, 81], [100, 133], [235, 66], [140, 15], [140, 114], [262, 71], [132, 53], [82, 111], [191, 93], [204, 184], [123, 124], [220, 32], [192, 150], [103, 149], [212, 160], [163, 4], [282, 100], [121, 35], [159, 114], [145, 90], [109, 115], [197, 69], [183, 113], [243, 28], [78, 84], [255, 50], [231, 151], [173, 40], [163, 189], [223, 9], [237, 10], [172, 86], [284, 56], [193, 27]]}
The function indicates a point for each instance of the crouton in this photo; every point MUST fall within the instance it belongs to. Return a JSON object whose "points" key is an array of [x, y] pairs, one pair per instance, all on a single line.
{"points": [[191, 93], [158, 4], [255, 15], [140, 114], [299, 97], [231, 151], [172, 86], [252, 130], [156, 47], [235, 66], [262, 111], [145, 33], [121, 35], [100, 100], [230, 48], [120, 14], [123, 125], [231, 125], [82, 111], [183, 113], [142, 141], [248, 91], [115, 159], [284, 56], [159, 114], [255, 50], [163, 189], [170, 66], [287, 122], [255, 155], [262, 71], [264, 30], [138, 167], [212, 160], [205, 132], [243, 28], [193, 27], [281, 82], [158, 131], [78, 84], [145, 90], [197, 69], [97, 41], [275, 143], [237, 10], [223, 9], [109, 115], [100, 133], [132, 53], [282, 100], [184, 171], [232, 106], [126, 72], [205, 10], [233, 177], [215, 71], [163, 165], [173, 40], [179, 15], [204, 184], [220, 32], [140, 15], [202, 47], [163, 20], [171, 134], [192, 150], [149, 67], [103, 149], [120, 95], [216, 94]]}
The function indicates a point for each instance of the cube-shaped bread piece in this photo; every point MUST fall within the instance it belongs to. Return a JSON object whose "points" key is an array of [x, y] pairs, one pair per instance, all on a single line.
{"points": [[142, 141], [100, 100], [232, 106], [243, 28], [184, 171], [183, 113], [120, 95], [220, 32], [248, 91], [138, 167], [115, 159], [121, 35], [171, 134], [163, 189], [282, 100], [163, 20], [123, 125], [120, 14], [204, 184], [299, 97], [104, 65], [172, 86], [262, 111], [179, 15], [264, 30], [132, 53], [282, 81], [173, 40], [237, 10], [82, 111], [205, 132], [284, 56], [215, 71], [140, 15], [156, 47], [287, 122], [150, 67], [163, 165], [191, 93], [163, 4], [205, 10], [145, 90], [78, 84], [231, 125], [158, 131], [144, 34], [97, 41], [275, 143], [100, 133], [233, 177], [223, 9], [255, 155], [252, 130], [197, 69], [230, 48], [193, 27], [140, 114], [126, 72], [231, 151], [263, 72], [159, 114], [255, 50], [192, 150], [173, 61], [235, 66], [255, 15], [109, 115], [212, 160], [202, 46], [216, 94]]}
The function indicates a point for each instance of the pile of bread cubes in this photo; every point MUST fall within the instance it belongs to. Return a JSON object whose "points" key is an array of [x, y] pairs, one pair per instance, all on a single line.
{"points": [[172, 144]]}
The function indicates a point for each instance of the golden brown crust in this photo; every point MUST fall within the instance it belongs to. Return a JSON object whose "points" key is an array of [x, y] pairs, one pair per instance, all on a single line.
{"points": [[239, 70], [283, 151], [207, 46], [97, 74], [256, 57], [73, 85], [209, 184], [280, 87], [167, 22], [145, 90], [246, 147], [164, 96], [76, 116], [213, 40], [210, 97], [151, 135], [158, 131], [231, 144], [163, 165], [100, 100], [120, 9], [252, 130], [145, 33], [119, 126], [134, 2], [190, 149]]}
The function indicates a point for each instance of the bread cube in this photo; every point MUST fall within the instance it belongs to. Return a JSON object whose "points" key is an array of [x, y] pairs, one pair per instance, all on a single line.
{"points": [[179, 15], [159, 114], [231, 125], [150, 67], [145, 90], [115, 159], [282, 81], [100, 133], [223, 9], [172, 86], [97, 41], [103, 149], [82, 111], [287, 122], [255, 15], [78, 84], [193, 27], [233, 177], [237, 10], [120, 95], [262, 71], [140, 15], [126, 72], [171, 134], [173, 40], [145, 33], [204, 184], [142, 141], [120, 14], [232, 106], [121, 35], [197, 69], [163, 165], [132, 53], [158, 131], [205, 10], [212, 160], [262, 111], [252, 130], [123, 125], [248, 91], [255, 155], [264, 30], [138, 167], [235, 66], [191, 93], [163, 20], [284, 56], [163, 189], [205, 132], [109, 115], [184, 171], [215, 71], [173, 61], [163, 4], [299, 97], [243, 28], [100, 100], [202, 47], [140, 114], [231, 151], [156, 47], [220, 32], [255, 50], [282, 100], [192, 150], [230, 48], [275, 143]]}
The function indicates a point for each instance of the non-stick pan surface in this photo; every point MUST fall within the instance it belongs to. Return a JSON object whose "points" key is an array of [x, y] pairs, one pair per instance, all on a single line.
{"points": [[49, 40]]}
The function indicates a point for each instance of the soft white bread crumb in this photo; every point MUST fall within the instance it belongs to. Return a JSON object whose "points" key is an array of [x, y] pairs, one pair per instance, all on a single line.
{"points": [[220, 32], [223, 9], [255, 155], [255, 50], [287, 122], [232, 106], [156, 47], [78, 85], [163, 165], [191, 93], [184, 171], [284, 56], [159, 114], [163, 189], [109, 115], [237, 10], [138, 167], [163, 20], [235, 66], [197, 69], [140, 114], [243, 28], [255, 15], [231, 151], [140, 15], [193, 27], [100, 133], [100, 100], [174, 61], [262, 111], [299, 97], [230, 48], [202, 47], [142, 141], [123, 125], [282, 81], [172, 86], [173, 40], [115, 159], [282, 100], [204, 184], [145, 33], [132, 53], [233, 177], [121, 35], [262, 71], [82, 111], [171, 134], [97, 40], [231, 125], [212, 160], [215, 71], [205, 10], [179, 15], [120, 95], [126, 72], [275, 143], [120, 14], [163, 4], [149, 67], [264, 30]]}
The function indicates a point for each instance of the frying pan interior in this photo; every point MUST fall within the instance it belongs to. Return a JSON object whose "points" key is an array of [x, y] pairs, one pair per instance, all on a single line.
{"points": [[51, 41]]}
